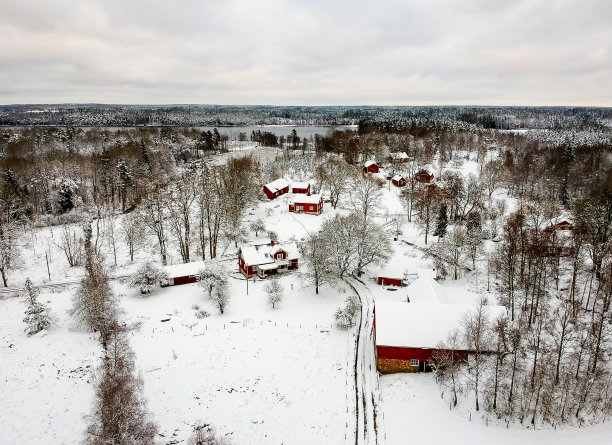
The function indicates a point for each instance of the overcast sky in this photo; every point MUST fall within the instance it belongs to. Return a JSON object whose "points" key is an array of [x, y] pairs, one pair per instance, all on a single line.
{"points": [[309, 52]]}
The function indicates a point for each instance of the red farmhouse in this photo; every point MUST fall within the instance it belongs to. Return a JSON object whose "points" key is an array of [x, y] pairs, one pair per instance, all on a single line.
{"points": [[424, 177], [370, 167], [398, 181], [311, 204], [408, 334], [267, 259], [300, 187], [276, 188], [183, 273]]}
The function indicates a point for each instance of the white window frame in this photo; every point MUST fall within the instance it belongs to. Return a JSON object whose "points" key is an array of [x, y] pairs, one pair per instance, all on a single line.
{"points": [[414, 362]]}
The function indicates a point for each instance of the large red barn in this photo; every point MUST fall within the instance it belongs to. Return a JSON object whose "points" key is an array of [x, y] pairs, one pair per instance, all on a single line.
{"points": [[276, 188], [408, 334]]}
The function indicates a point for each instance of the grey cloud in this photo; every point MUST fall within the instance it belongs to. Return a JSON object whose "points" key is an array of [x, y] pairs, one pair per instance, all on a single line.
{"points": [[316, 52]]}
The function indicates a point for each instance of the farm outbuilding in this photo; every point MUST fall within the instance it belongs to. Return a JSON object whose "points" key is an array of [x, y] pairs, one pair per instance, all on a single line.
{"points": [[311, 204], [398, 156], [371, 167], [398, 181], [423, 176], [300, 187], [276, 188], [408, 335], [267, 259], [183, 273]]}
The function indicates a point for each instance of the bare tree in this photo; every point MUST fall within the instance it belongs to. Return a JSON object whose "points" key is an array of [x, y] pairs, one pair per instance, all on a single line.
{"points": [[475, 332], [153, 213], [147, 277], [71, 244], [315, 256], [182, 197], [257, 226], [204, 434], [133, 232], [274, 290]]}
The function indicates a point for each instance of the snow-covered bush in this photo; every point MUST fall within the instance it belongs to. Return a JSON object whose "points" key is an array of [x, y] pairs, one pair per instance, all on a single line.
{"points": [[274, 290], [147, 277], [345, 316]]}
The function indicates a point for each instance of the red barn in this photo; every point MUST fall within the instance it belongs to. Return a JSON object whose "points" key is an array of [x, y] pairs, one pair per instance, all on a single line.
{"points": [[423, 176], [183, 273], [370, 167], [398, 181], [276, 188], [265, 260], [311, 204], [408, 334], [300, 187]]}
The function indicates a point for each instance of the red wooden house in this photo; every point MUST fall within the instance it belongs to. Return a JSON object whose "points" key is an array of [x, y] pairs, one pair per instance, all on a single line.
{"points": [[276, 188], [398, 181], [267, 259], [423, 176], [408, 334], [183, 273], [311, 204], [399, 157], [371, 167], [300, 187]]}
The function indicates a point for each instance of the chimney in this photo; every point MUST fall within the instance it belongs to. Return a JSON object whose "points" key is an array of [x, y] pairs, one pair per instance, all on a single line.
{"points": [[272, 242]]}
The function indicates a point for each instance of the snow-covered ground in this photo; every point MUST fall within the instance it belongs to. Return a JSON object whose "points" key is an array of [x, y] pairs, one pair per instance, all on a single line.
{"points": [[259, 375]]}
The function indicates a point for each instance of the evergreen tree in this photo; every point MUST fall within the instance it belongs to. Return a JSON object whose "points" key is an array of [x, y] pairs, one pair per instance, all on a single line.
{"points": [[564, 195], [145, 156], [37, 314], [442, 222], [65, 198]]}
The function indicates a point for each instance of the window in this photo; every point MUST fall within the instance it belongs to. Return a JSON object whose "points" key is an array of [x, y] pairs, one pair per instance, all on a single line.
{"points": [[414, 362]]}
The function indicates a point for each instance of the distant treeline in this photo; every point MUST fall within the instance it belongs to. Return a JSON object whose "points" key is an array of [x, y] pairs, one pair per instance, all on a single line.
{"points": [[383, 118]]}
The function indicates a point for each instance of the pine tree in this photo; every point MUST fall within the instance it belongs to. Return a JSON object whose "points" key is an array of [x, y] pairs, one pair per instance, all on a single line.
{"points": [[564, 195], [442, 222], [65, 198], [145, 156], [37, 314]]}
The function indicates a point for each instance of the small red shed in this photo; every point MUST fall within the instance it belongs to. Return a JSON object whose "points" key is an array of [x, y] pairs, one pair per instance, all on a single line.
{"points": [[183, 273], [398, 181], [300, 187], [276, 188], [311, 204], [371, 167]]}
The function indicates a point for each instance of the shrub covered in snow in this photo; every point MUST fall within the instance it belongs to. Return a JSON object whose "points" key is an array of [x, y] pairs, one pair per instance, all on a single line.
{"points": [[147, 277]]}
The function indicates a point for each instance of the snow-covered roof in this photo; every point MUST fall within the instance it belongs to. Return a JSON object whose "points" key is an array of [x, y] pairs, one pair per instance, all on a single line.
{"points": [[307, 199], [264, 254], [300, 185], [399, 155], [426, 290], [277, 185], [397, 178], [368, 163], [253, 256], [184, 270], [408, 325]]}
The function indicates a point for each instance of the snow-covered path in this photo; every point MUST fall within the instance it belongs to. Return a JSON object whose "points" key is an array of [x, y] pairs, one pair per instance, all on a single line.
{"points": [[366, 378]]}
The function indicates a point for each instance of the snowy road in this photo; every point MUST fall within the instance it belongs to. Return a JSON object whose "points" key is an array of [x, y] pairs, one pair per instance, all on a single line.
{"points": [[366, 378]]}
